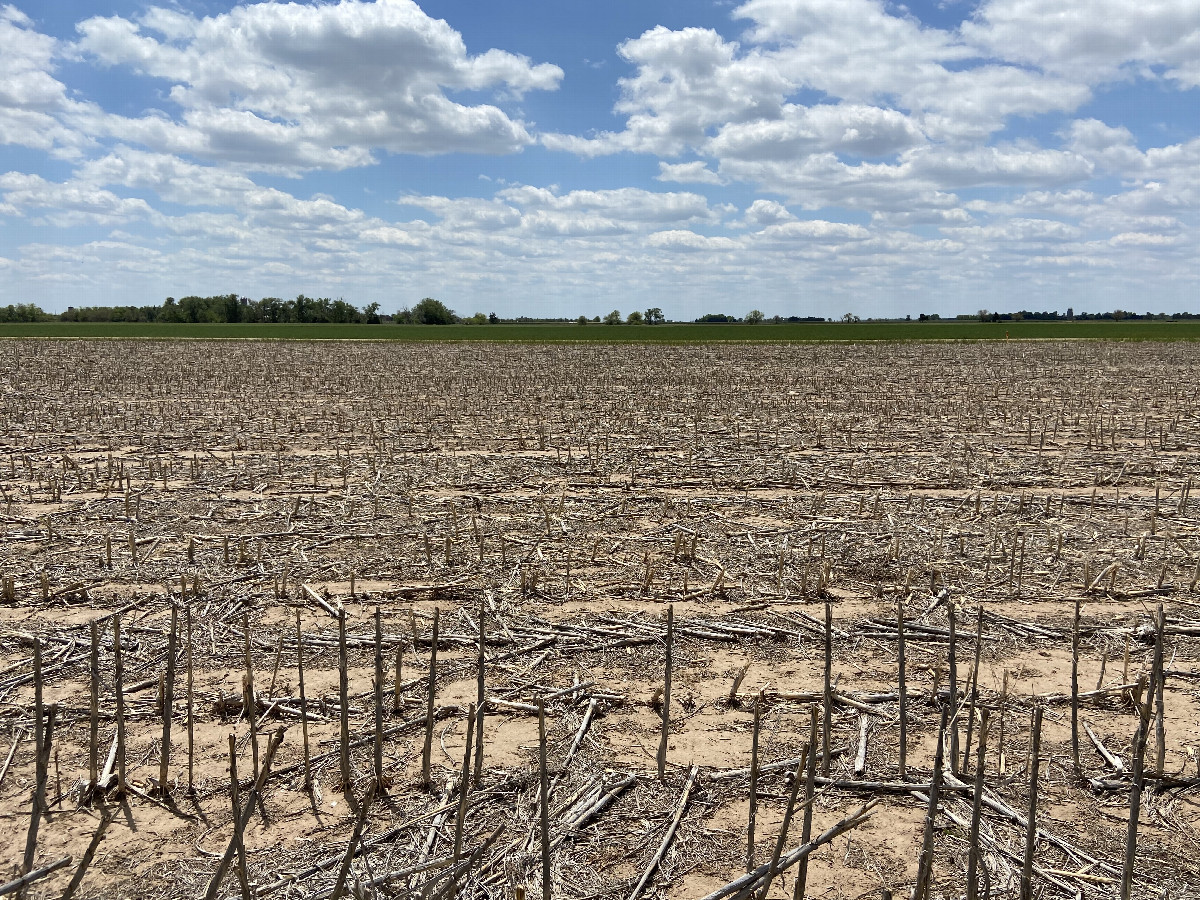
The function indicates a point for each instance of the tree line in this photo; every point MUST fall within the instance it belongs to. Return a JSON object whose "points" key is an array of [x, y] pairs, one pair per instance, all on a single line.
{"points": [[224, 308], [233, 308]]}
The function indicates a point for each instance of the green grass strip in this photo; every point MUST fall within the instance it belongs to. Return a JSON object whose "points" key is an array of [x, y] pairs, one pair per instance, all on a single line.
{"points": [[683, 333]]}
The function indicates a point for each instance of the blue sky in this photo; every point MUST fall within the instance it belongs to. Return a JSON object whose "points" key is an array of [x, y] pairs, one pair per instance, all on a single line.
{"points": [[802, 157]]}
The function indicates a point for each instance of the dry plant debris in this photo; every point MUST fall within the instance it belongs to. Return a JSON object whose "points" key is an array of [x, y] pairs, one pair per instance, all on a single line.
{"points": [[520, 522]]}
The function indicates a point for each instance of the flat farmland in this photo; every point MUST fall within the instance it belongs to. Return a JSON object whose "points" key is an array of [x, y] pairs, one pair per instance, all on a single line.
{"points": [[669, 333], [625, 556]]}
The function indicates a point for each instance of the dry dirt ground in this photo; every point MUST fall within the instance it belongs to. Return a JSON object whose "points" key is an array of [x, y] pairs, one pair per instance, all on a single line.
{"points": [[564, 497]]}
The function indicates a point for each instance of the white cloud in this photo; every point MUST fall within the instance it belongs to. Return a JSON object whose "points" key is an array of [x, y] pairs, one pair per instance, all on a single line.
{"points": [[468, 213], [901, 117], [520, 211], [865, 155], [1071, 203], [321, 86], [1021, 230], [1096, 41], [88, 263], [30, 96], [173, 179], [816, 230], [687, 81], [998, 165], [852, 129], [929, 215], [767, 212], [630, 204], [1112, 149], [863, 53], [1143, 239], [695, 172], [25, 66], [684, 241], [70, 203]]}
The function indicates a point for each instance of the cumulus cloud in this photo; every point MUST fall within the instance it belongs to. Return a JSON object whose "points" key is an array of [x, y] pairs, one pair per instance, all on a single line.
{"points": [[1023, 230], [683, 241], [851, 129], [31, 98], [864, 53], [69, 204], [1112, 149], [687, 81], [816, 230], [173, 179], [694, 172], [839, 144], [524, 210], [632, 204], [999, 165], [767, 212], [322, 86], [1143, 239], [897, 84], [1095, 41], [851, 93], [25, 67]]}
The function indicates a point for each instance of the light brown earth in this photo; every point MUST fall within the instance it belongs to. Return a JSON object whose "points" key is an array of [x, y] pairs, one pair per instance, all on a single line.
{"points": [[573, 492]]}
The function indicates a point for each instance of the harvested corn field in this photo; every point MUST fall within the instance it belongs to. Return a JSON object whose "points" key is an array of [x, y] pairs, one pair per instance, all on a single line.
{"points": [[522, 620]]}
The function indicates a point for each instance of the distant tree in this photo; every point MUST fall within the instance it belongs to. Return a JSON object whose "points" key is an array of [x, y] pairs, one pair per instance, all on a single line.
{"points": [[230, 308], [984, 315], [754, 317], [477, 319], [340, 311], [851, 317], [301, 308], [23, 312], [654, 316], [433, 312], [582, 320], [613, 318], [716, 318], [493, 318], [636, 318]]}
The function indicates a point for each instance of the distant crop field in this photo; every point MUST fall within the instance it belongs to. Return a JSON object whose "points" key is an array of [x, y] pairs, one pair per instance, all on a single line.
{"points": [[681, 333]]}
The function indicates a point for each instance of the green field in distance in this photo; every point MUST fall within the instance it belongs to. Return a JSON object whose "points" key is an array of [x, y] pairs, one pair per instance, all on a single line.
{"points": [[681, 333]]}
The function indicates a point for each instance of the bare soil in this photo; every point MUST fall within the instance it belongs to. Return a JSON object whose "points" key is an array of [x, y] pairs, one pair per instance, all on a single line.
{"points": [[569, 495]]}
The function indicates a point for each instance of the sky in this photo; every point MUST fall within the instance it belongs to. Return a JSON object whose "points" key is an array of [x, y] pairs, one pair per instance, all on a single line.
{"points": [[567, 157]]}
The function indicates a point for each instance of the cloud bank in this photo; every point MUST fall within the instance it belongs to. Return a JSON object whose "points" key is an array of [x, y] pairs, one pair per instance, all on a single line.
{"points": [[813, 156]]}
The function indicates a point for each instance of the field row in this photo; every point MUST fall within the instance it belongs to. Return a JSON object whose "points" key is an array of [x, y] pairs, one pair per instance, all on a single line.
{"points": [[1020, 509]]}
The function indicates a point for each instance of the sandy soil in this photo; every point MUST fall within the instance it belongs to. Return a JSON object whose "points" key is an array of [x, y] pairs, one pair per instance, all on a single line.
{"points": [[571, 494]]}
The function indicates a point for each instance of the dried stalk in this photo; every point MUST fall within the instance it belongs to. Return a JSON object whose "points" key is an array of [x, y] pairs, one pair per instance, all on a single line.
{"points": [[1031, 815], [427, 750], [666, 698], [680, 808]]}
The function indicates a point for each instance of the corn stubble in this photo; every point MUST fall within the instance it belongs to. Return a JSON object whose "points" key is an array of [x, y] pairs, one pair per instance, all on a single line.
{"points": [[942, 591]]}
